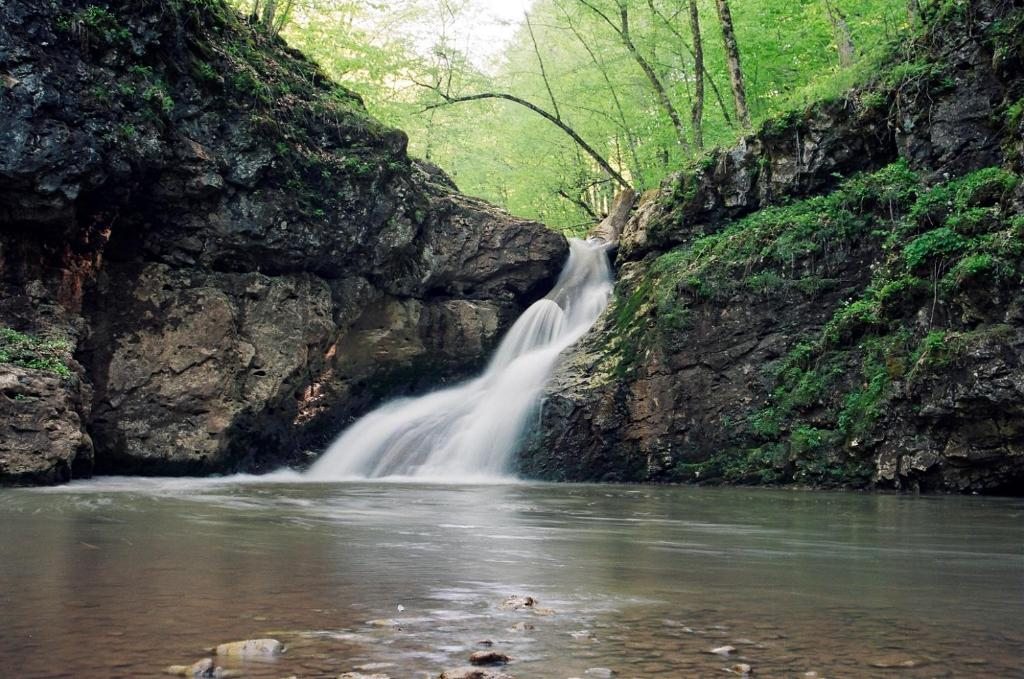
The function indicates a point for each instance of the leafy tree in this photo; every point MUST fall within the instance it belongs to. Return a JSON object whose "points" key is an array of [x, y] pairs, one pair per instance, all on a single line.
{"points": [[617, 73]]}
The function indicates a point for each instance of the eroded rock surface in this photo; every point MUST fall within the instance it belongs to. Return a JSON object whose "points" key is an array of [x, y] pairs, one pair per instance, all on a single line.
{"points": [[42, 436], [242, 260]]}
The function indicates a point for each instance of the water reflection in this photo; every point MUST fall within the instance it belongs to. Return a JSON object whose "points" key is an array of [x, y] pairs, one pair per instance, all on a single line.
{"points": [[123, 579]]}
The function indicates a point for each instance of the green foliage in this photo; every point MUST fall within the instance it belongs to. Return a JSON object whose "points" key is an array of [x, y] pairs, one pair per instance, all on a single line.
{"points": [[937, 244], [760, 252], [919, 73], [27, 351], [1014, 114], [828, 396], [157, 96], [387, 52], [96, 24], [970, 241]]}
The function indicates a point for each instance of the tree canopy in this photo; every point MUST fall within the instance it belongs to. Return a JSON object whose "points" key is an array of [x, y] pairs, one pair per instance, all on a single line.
{"points": [[588, 94]]}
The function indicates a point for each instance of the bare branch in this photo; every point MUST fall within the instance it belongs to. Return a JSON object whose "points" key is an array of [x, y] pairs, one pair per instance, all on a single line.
{"points": [[667, 20], [587, 148], [580, 203], [543, 72]]}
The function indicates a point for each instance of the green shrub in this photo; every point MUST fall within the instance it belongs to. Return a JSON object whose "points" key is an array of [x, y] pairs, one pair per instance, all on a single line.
{"points": [[28, 351], [938, 243]]}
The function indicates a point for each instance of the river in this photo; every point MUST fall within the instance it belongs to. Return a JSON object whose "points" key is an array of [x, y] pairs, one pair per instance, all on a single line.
{"points": [[120, 578]]}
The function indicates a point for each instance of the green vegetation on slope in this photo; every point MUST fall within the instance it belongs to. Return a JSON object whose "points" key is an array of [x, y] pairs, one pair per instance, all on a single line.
{"points": [[937, 249], [28, 351]]}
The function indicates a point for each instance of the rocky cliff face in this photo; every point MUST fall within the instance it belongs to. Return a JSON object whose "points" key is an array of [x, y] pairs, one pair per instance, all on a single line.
{"points": [[234, 258], [836, 301]]}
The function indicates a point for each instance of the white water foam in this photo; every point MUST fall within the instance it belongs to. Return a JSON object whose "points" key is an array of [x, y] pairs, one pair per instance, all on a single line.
{"points": [[469, 433]]}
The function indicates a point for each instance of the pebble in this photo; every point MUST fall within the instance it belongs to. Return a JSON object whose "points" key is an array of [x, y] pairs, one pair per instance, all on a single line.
{"points": [[518, 602], [251, 648], [723, 650], [360, 675], [522, 627], [202, 669], [601, 672], [742, 669], [473, 673], [383, 622], [896, 662], [488, 658]]}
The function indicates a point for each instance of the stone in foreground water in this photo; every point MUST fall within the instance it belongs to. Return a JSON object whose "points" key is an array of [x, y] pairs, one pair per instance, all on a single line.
{"points": [[251, 648]]}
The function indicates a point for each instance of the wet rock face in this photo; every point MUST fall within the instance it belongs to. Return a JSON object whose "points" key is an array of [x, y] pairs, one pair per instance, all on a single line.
{"points": [[226, 240], [964, 430], [688, 395], [42, 437]]}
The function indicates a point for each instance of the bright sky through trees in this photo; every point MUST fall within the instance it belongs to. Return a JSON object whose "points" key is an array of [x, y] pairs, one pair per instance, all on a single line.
{"points": [[500, 20]]}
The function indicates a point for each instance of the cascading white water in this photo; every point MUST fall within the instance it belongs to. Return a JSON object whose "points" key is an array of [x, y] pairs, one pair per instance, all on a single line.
{"points": [[470, 431]]}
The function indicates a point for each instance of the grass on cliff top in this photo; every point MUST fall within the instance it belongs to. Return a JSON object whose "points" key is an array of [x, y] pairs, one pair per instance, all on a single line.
{"points": [[28, 351]]}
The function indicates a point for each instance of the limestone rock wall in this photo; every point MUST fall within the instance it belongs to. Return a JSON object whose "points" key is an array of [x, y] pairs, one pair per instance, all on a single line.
{"points": [[224, 238]]}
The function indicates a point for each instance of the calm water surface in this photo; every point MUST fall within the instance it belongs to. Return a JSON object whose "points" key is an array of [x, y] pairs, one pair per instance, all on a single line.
{"points": [[121, 578]]}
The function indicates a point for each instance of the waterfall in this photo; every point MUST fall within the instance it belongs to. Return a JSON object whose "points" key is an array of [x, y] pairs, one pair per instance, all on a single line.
{"points": [[470, 431]]}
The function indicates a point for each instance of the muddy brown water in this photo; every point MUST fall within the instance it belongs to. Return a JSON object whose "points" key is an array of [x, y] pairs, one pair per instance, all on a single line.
{"points": [[121, 578]]}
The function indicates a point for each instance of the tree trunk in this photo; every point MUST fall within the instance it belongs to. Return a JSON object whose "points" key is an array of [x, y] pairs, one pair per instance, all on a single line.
{"points": [[844, 40], [269, 12], [697, 112], [637, 169], [708, 78], [732, 53], [648, 70], [622, 28], [543, 71]]}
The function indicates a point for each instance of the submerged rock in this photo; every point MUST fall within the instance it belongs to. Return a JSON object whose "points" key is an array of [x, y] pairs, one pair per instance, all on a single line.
{"points": [[473, 673], [202, 669], [488, 658], [894, 662], [251, 648], [517, 602]]}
